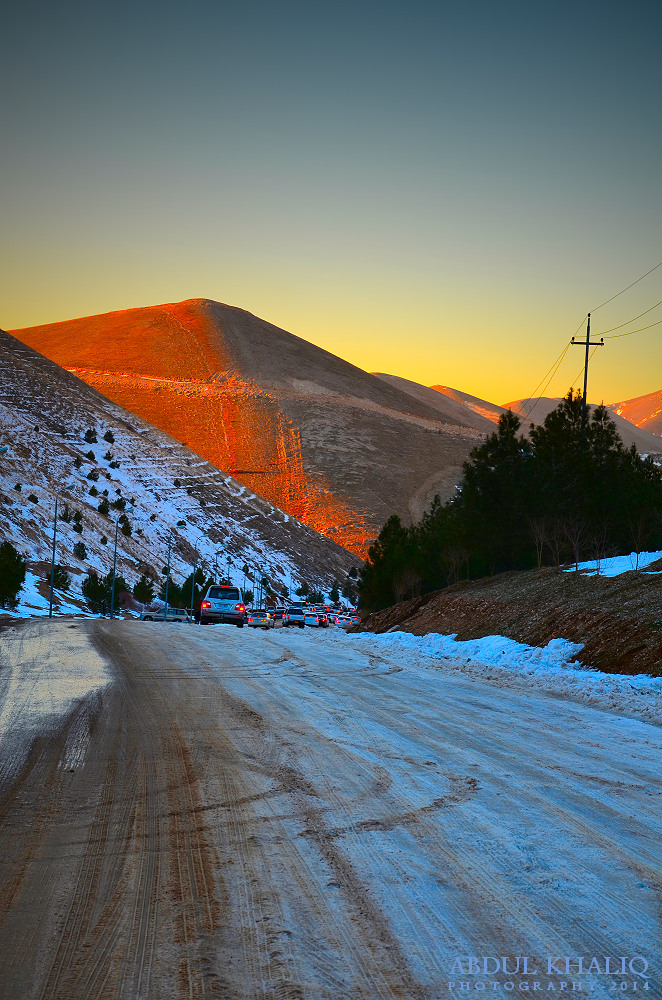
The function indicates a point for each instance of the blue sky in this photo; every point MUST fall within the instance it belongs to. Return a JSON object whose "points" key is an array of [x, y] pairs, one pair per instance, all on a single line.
{"points": [[437, 191]]}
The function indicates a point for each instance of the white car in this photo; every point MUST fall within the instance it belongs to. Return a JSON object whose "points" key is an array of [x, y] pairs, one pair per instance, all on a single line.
{"points": [[174, 615], [313, 619], [259, 618]]}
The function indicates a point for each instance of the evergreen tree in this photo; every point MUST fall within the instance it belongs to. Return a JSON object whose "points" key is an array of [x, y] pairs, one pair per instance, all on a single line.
{"points": [[143, 589], [12, 575]]}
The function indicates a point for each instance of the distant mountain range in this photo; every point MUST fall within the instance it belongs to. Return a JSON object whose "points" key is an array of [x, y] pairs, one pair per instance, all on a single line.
{"points": [[331, 445], [644, 411]]}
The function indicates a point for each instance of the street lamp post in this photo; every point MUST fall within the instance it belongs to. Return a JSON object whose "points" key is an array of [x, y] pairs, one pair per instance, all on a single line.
{"points": [[50, 602], [195, 565], [165, 606], [112, 589]]}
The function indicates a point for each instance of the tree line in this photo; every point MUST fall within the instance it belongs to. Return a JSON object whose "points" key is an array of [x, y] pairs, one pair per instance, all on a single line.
{"points": [[570, 490]]}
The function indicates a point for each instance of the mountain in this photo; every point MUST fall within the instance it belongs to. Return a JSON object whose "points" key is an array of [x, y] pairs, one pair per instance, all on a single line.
{"points": [[317, 437], [45, 413], [490, 411], [645, 442], [445, 402], [644, 411]]}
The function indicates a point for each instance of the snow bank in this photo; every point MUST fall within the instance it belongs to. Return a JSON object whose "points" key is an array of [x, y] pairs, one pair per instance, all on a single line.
{"points": [[616, 565], [507, 663]]}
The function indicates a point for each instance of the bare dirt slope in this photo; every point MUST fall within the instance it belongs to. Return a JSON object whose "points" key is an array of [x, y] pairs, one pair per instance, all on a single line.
{"points": [[644, 411], [644, 441], [619, 620], [319, 438], [190, 813], [490, 411]]}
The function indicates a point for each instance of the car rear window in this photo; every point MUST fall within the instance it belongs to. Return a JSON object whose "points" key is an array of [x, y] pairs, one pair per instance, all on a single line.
{"points": [[224, 593]]}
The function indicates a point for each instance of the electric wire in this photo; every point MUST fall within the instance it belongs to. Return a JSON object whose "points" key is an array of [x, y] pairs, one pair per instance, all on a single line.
{"points": [[627, 322], [615, 336], [553, 370], [556, 367], [627, 287], [581, 370]]}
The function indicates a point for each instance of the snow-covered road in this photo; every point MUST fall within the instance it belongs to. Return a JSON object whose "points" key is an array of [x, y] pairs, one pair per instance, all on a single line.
{"points": [[365, 821]]}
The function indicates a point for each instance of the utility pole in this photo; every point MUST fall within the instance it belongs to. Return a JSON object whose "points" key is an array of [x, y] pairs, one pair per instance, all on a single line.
{"points": [[587, 343]]}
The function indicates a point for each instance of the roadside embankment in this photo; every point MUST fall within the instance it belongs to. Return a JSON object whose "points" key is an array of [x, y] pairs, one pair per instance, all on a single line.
{"points": [[618, 620]]}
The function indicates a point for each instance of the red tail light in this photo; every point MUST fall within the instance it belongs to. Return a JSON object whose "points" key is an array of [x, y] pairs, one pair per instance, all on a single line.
{"points": [[205, 604], [240, 607]]}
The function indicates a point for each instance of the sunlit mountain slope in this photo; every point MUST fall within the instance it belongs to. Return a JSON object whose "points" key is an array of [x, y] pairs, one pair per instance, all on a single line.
{"points": [[644, 411], [319, 438]]}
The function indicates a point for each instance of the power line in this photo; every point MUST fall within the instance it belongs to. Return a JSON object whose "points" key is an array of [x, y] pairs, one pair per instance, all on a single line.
{"points": [[627, 322], [554, 368], [630, 332], [627, 287]]}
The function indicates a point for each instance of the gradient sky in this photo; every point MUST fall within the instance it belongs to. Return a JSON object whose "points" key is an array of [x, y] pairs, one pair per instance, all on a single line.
{"points": [[435, 190]]}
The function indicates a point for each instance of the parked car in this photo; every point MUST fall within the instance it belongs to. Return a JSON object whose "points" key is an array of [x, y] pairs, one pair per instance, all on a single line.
{"points": [[174, 615], [223, 603], [260, 618]]}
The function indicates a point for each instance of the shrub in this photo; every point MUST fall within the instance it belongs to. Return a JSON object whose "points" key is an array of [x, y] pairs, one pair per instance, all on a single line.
{"points": [[33, 498], [178, 482], [94, 491], [80, 551], [93, 475], [12, 575], [181, 524], [18, 487], [61, 578], [78, 461], [152, 517], [66, 515], [103, 540], [91, 436], [90, 454], [108, 457], [115, 465], [119, 503], [78, 528], [109, 437], [104, 507]]}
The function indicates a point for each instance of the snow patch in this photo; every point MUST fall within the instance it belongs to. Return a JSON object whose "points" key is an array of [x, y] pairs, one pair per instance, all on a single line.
{"points": [[550, 668], [615, 565]]}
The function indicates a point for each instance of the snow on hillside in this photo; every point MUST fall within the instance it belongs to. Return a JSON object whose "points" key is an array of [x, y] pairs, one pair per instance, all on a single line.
{"points": [[615, 565], [168, 492]]}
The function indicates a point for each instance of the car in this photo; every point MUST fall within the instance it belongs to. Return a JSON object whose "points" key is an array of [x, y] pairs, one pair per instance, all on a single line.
{"points": [[224, 604], [260, 618], [294, 615], [313, 619], [174, 615], [277, 613]]}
